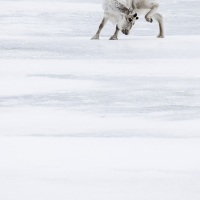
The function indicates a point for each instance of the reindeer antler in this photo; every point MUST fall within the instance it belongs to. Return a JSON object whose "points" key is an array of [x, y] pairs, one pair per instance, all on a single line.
{"points": [[120, 7], [123, 9], [116, 5]]}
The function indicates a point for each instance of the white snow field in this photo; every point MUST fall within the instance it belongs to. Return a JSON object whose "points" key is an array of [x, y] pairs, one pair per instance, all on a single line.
{"points": [[98, 120]]}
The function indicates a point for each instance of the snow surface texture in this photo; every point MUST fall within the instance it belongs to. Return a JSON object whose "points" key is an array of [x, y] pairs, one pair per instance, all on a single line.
{"points": [[101, 119]]}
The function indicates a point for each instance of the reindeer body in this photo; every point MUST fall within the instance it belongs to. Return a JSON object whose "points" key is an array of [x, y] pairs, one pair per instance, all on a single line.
{"points": [[124, 13]]}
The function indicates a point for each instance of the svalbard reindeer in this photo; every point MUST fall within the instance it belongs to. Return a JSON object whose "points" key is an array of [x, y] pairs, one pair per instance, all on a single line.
{"points": [[148, 8], [120, 13]]}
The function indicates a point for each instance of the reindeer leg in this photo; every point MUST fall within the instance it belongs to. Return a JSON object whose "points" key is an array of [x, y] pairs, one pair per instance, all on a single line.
{"points": [[158, 17], [115, 36], [149, 15], [96, 37]]}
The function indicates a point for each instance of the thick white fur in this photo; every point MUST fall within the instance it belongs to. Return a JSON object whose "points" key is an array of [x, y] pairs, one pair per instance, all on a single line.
{"points": [[116, 11]]}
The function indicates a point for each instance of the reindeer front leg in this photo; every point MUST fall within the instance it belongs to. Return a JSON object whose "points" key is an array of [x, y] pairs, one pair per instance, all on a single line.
{"points": [[150, 14], [115, 36], [96, 37]]}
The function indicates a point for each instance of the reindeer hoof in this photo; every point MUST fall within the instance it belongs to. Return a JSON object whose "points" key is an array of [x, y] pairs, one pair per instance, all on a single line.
{"points": [[160, 36], [113, 38], [149, 19], [95, 38]]}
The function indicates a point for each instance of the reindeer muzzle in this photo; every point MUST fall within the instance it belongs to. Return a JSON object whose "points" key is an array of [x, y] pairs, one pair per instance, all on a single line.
{"points": [[125, 31]]}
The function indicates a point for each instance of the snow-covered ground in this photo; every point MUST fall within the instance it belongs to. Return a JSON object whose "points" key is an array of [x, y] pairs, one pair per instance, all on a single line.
{"points": [[97, 168], [82, 119]]}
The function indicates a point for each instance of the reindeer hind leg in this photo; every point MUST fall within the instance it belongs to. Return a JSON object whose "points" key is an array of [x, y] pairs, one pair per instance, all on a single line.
{"points": [[158, 17]]}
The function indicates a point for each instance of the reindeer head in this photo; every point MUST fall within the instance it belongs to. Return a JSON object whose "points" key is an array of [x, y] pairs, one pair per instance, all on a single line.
{"points": [[127, 20]]}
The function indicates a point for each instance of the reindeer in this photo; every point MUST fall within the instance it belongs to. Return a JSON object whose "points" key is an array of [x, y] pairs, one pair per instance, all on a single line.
{"points": [[124, 14]]}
